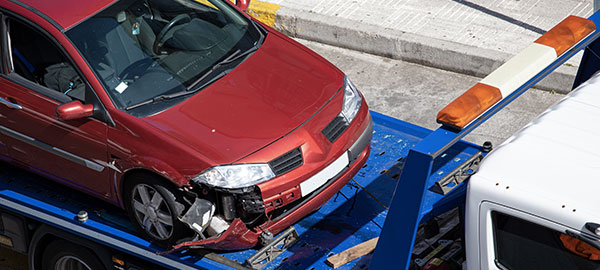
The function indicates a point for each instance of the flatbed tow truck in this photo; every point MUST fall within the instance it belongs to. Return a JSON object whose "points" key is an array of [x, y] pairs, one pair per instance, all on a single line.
{"points": [[408, 202]]}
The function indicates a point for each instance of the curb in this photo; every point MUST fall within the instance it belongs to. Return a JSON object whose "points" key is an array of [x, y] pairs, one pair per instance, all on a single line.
{"points": [[410, 47]]}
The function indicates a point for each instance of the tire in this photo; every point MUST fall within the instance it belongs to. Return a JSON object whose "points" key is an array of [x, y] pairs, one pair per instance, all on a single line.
{"points": [[64, 255], [155, 209]]}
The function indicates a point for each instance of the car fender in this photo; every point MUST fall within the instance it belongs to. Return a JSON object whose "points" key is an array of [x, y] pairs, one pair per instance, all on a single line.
{"points": [[145, 164]]}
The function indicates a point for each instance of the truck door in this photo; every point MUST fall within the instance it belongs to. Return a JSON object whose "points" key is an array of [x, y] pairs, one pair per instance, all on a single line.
{"points": [[514, 240], [40, 78]]}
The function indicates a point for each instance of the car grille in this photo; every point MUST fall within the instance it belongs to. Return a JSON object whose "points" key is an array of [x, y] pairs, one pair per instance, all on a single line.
{"points": [[287, 162], [334, 129]]}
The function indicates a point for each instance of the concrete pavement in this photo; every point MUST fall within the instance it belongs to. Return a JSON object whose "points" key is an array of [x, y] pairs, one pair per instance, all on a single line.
{"points": [[415, 93], [467, 36]]}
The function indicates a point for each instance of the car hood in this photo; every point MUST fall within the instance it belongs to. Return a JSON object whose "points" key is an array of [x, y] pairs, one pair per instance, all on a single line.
{"points": [[270, 94]]}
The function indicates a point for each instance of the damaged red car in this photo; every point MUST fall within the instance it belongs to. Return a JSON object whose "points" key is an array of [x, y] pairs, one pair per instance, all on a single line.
{"points": [[211, 129]]}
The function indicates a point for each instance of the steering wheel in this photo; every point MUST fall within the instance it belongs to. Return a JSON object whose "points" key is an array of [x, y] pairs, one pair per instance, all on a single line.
{"points": [[159, 42], [136, 68]]}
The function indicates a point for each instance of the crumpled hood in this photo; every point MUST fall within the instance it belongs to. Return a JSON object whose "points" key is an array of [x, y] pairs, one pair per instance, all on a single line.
{"points": [[270, 94]]}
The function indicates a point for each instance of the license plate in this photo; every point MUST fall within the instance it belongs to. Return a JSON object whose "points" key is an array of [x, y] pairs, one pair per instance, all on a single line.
{"points": [[325, 175]]}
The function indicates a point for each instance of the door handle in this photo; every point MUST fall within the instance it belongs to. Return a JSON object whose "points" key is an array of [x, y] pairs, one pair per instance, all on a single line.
{"points": [[10, 104]]}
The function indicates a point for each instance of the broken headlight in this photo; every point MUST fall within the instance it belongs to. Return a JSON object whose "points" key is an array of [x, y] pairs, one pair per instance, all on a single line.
{"points": [[235, 176]]}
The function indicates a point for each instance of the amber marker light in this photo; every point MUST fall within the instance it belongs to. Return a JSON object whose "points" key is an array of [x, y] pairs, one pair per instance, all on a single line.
{"points": [[567, 33], [469, 105], [118, 261], [515, 72]]}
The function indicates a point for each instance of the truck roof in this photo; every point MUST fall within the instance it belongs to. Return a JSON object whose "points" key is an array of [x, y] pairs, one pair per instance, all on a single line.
{"points": [[551, 166]]}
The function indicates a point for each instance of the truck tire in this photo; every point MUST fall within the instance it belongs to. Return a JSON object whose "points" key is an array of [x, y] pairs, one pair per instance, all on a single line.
{"points": [[155, 209], [64, 255]]}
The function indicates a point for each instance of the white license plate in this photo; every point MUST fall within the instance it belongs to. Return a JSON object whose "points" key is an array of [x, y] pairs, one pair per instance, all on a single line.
{"points": [[325, 175]]}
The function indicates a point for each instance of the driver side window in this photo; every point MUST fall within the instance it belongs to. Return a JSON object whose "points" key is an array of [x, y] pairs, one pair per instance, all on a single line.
{"points": [[35, 58]]}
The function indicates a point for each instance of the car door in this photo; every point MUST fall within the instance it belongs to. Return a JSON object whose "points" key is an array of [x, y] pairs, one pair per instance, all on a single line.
{"points": [[40, 78]]}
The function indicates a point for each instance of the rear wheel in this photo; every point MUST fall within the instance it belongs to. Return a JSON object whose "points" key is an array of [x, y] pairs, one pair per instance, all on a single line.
{"points": [[154, 208], [64, 255]]}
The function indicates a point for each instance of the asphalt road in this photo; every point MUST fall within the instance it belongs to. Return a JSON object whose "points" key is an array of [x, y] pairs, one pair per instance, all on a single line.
{"points": [[416, 93], [406, 91]]}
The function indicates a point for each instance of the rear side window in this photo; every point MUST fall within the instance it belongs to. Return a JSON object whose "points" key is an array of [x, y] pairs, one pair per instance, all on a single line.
{"points": [[524, 245]]}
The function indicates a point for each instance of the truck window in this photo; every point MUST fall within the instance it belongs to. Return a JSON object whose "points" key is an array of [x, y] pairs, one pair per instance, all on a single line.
{"points": [[520, 244]]}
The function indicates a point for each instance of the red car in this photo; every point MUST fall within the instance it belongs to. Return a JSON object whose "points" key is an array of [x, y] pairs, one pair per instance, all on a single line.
{"points": [[207, 126]]}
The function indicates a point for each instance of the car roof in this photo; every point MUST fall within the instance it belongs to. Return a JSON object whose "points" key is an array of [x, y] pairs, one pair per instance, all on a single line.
{"points": [[554, 159], [67, 13]]}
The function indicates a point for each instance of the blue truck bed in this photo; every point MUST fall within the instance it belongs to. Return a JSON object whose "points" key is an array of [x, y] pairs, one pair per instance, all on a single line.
{"points": [[355, 215]]}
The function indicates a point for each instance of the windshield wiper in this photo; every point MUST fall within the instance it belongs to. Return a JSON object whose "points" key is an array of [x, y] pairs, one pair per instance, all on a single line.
{"points": [[177, 94], [213, 79], [225, 61], [192, 88], [231, 58], [256, 45], [159, 98]]}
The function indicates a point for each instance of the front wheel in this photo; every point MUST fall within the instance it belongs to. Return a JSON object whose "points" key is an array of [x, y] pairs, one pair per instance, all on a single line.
{"points": [[64, 255], [154, 209]]}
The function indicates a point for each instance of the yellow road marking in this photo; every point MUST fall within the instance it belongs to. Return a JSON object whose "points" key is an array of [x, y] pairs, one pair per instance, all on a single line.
{"points": [[263, 11], [206, 3]]}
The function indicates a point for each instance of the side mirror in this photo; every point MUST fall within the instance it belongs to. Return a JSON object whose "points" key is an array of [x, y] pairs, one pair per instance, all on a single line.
{"points": [[74, 110], [242, 4]]}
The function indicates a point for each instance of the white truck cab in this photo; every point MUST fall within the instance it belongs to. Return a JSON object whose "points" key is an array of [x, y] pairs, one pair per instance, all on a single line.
{"points": [[537, 194]]}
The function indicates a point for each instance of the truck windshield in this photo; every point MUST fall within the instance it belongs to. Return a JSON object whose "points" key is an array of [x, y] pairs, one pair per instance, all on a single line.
{"points": [[156, 52]]}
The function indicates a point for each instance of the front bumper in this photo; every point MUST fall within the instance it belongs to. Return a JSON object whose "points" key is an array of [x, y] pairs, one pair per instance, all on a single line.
{"points": [[238, 236]]}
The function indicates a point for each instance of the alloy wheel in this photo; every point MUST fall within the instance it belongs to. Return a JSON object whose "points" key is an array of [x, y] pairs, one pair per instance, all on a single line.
{"points": [[152, 212]]}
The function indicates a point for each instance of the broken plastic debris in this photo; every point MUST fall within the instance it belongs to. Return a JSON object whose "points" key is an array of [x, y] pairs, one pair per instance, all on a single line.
{"points": [[199, 215]]}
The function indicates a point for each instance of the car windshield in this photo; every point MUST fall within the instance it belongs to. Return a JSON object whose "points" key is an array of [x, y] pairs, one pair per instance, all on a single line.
{"points": [[151, 54]]}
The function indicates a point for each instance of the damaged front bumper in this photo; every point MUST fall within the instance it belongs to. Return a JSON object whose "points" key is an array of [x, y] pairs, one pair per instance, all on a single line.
{"points": [[238, 235]]}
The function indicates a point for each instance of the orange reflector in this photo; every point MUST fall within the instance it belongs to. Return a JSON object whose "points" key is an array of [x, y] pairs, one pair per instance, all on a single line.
{"points": [[118, 261], [567, 33], [469, 105]]}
